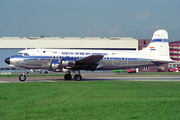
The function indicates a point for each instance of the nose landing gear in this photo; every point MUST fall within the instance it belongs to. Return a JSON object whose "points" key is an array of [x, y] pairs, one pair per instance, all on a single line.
{"points": [[22, 77]]}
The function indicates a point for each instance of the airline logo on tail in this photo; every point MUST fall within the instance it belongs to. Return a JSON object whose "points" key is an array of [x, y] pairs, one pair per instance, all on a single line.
{"points": [[152, 48]]}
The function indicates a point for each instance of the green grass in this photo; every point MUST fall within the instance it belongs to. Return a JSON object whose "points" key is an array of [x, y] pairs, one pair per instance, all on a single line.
{"points": [[94, 100], [119, 70], [150, 73]]}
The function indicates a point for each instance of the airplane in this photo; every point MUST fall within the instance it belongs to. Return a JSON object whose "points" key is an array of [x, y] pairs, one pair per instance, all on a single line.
{"points": [[74, 60]]}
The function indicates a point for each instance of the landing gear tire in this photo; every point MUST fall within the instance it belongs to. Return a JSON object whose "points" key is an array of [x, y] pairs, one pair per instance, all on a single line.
{"points": [[22, 77], [68, 77], [77, 77]]}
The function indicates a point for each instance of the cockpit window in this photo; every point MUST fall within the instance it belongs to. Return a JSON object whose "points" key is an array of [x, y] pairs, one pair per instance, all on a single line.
{"points": [[25, 54], [20, 53]]}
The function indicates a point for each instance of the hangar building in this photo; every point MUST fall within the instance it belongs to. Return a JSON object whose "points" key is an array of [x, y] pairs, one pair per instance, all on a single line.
{"points": [[12, 45]]}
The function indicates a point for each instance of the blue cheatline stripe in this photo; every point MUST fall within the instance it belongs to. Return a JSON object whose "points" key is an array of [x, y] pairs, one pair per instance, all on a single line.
{"points": [[70, 58], [160, 40], [115, 58]]}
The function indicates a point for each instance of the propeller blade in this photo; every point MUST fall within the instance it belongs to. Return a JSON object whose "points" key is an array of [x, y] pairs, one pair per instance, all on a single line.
{"points": [[60, 60], [50, 63]]}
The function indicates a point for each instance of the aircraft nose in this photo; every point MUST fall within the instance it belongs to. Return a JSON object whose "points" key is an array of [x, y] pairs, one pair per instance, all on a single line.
{"points": [[7, 60]]}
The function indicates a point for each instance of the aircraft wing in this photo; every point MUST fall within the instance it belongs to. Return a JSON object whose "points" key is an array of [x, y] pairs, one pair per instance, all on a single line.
{"points": [[90, 59], [88, 63]]}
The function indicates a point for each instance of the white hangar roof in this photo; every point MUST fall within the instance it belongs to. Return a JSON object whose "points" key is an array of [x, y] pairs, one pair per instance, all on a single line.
{"points": [[68, 42]]}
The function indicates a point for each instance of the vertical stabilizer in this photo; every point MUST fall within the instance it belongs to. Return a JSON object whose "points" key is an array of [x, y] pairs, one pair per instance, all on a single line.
{"points": [[159, 45]]}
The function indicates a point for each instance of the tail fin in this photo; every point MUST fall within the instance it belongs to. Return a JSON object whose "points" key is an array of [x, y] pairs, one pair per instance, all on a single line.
{"points": [[159, 45]]}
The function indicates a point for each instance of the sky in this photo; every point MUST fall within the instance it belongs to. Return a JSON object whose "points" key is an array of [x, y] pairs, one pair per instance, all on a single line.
{"points": [[138, 19]]}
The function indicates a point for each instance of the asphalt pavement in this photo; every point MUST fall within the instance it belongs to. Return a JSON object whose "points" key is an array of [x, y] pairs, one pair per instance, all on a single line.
{"points": [[96, 76]]}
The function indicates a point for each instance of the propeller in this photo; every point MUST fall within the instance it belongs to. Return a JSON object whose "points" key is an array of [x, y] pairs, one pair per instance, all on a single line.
{"points": [[60, 61], [50, 62]]}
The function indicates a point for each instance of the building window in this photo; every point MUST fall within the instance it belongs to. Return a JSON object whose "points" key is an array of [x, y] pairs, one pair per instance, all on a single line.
{"points": [[175, 48], [7, 69], [174, 56], [13, 68], [170, 65], [174, 52], [145, 68]]}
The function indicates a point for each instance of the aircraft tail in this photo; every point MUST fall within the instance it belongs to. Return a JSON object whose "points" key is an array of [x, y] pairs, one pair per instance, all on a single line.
{"points": [[159, 46]]}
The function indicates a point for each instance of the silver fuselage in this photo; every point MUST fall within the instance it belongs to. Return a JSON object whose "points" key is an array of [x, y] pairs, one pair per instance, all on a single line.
{"points": [[49, 59]]}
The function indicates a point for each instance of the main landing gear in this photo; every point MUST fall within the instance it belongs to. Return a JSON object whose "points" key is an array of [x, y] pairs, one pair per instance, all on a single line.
{"points": [[77, 77]]}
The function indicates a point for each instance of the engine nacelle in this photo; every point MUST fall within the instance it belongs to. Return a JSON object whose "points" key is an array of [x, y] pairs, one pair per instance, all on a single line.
{"points": [[64, 64], [66, 70], [67, 64], [54, 66]]}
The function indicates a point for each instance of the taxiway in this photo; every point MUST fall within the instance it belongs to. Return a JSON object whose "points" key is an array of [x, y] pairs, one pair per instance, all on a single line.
{"points": [[94, 76]]}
